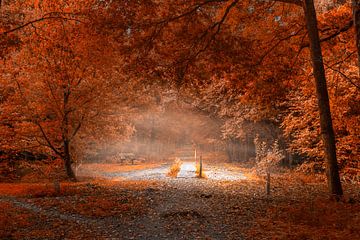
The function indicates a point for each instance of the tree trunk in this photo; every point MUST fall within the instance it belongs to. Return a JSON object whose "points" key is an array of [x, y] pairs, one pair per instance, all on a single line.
{"points": [[356, 19], [67, 159], [65, 137], [246, 150], [327, 132], [238, 151], [229, 150]]}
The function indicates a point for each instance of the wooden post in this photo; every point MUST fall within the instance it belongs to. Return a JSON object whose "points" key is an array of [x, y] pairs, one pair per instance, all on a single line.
{"points": [[200, 169], [268, 182], [195, 156]]}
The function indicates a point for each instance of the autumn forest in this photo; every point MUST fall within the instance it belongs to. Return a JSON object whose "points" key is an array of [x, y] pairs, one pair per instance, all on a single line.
{"points": [[197, 119]]}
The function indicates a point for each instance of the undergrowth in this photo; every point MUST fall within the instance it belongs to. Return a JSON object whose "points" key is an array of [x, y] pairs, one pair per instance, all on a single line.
{"points": [[175, 168]]}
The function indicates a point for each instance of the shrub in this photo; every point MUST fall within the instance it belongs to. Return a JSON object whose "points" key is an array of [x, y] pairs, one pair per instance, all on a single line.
{"points": [[175, 168]]}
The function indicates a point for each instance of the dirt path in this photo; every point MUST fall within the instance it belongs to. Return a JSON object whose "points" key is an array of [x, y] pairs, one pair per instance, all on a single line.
{"points": [[180, 208], [182, 211], [156, 173], [226, 205], [108, 227], [187, 171]]}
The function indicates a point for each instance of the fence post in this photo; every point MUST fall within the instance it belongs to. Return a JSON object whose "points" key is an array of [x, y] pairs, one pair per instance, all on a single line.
{"points": [[268, 182], [195, 156], [200, 169]]}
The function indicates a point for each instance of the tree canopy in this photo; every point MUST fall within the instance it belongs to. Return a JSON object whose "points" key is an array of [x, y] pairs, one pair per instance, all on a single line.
{"points": [[79, 74]]}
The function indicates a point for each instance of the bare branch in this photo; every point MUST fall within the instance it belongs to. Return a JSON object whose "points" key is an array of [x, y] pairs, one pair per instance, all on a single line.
{"points": [[331, 67], [197, 7], [77, 128], [344, 76], [191, 11], [39, 20], [49, 144], [296, 2], [345, 28], [276, 45], [217, 25], [35, 121]]}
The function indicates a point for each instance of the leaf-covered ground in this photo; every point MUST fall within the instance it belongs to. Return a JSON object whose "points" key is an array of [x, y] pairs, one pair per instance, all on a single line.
{"points": [[180, 208]]}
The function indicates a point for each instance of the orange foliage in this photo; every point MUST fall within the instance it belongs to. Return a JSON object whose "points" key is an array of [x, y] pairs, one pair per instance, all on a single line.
{"points": [[175, 168], [12, 217], [26, 189], [76, 76], [322, 219]]}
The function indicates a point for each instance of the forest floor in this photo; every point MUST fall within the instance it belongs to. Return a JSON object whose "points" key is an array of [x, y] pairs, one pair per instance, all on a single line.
{"points": [[230, 203]]}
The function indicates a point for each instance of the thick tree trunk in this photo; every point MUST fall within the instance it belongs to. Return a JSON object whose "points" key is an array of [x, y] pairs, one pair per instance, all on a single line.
{"points": [[327, 132], [356, 17]]}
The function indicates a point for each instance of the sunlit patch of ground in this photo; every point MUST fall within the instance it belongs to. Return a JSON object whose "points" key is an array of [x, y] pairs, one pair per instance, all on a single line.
{"points": [[116, 172], [188, 167], [187, 170], [191, 169], [179, 170], [117, 167], [221, 174]]}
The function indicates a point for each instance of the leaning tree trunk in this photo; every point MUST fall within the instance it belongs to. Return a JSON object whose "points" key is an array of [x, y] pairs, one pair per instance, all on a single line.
{"points": [[327, 132], [356, 19]]}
